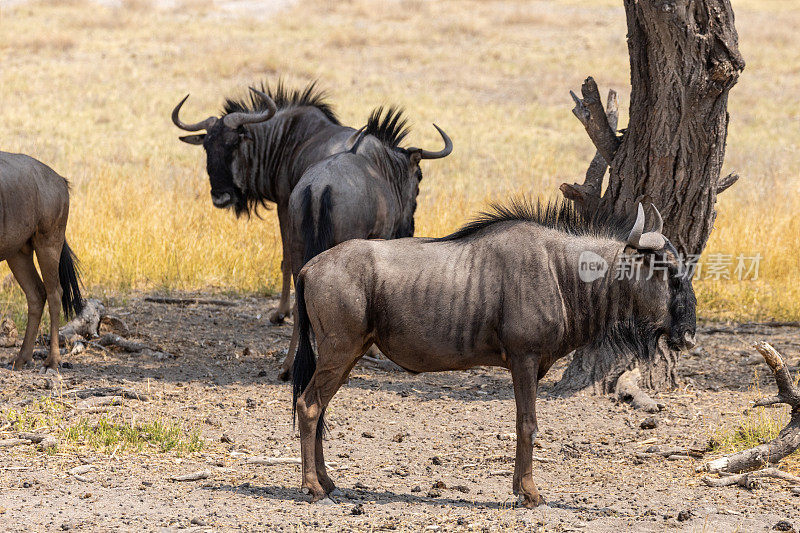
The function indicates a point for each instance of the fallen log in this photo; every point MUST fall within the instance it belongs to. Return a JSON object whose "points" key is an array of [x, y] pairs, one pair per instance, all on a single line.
{"points": [[748, 480], [106, 391], [787, 441], [188, 301]]}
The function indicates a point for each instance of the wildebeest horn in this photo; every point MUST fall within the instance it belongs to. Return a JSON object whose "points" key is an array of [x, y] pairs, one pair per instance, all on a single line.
{"points": [[354, 139], [652, 240], [448, 147], [202, 125], [659, 227], [234, 120]]}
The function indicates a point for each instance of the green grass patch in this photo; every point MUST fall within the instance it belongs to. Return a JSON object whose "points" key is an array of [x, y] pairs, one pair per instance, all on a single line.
{"points": [[760, 426], [159, 434], [108, 433]]}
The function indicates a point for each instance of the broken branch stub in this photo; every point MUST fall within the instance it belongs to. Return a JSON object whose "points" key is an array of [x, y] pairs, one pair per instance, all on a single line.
{"points": [[588, 194], [787, 441], [589, 110]]}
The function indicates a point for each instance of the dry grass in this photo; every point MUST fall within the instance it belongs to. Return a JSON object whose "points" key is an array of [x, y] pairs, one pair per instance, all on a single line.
{"points": [[94, 103]]}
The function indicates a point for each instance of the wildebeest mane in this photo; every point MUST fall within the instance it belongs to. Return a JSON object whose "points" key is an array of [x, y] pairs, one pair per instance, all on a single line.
{"points": [[559, 215], [284, 98], [389, 128]]}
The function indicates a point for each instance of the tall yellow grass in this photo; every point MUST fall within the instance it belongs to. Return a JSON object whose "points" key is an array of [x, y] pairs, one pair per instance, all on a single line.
{"points": [[88, 90]]}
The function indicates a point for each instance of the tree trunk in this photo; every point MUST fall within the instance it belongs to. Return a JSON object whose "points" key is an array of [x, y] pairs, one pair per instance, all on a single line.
{"points": [[684, 60]]}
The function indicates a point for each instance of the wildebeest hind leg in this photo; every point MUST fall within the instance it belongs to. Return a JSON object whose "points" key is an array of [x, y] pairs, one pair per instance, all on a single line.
{"points": [[524, 371], [47, 255], [329, 376], [21, 265]]}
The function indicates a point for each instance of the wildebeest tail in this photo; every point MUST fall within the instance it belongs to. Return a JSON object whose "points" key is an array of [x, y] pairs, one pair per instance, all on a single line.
{"points": [[71, 301], [305, 361], [320, 238]]}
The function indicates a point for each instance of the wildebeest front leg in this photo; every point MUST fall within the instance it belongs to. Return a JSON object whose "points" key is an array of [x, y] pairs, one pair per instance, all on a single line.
{"points": [[21, 265], [524, 370], [277, 315]]}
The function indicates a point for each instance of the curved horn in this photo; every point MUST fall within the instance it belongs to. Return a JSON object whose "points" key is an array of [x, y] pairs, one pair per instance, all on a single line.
{"points": [[448, 147], [638, 227], [352, 142], [202, 125], [659, 227], [234, 120]]}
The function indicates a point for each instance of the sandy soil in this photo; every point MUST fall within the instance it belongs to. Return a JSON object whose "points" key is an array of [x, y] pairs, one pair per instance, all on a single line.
{"points": [[394, 437]]}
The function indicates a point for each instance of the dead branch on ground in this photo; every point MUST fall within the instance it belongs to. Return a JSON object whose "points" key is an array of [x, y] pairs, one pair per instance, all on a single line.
{"points": [[770, 453]]}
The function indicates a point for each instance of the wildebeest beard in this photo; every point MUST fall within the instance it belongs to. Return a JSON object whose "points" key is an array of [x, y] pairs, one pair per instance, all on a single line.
{"points": [[629, 336]]}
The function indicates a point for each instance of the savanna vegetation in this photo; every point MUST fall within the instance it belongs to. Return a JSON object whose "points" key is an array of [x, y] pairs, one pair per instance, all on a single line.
{"points": [[89, 91]]}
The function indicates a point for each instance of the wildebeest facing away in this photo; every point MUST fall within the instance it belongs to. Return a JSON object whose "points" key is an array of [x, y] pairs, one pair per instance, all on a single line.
{"points": [[503, 291], [257, 151], [367, 192], [34, 201]]}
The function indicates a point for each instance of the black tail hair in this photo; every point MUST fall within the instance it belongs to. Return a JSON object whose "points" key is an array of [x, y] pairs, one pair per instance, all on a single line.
{"points": [[320, 238], [305, 361], [69, 278]]}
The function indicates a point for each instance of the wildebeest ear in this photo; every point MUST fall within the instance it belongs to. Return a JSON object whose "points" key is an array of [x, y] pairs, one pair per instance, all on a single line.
{"points": [[416, 157], [193, 139]]}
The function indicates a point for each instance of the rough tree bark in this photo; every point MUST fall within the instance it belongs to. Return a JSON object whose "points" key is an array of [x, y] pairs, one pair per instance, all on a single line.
{"points": [[684, 60]]}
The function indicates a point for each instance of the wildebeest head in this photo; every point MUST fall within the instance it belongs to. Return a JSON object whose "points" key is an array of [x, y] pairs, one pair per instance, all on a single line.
{"points": [[401, 166], [663, 293], [222, 142]]}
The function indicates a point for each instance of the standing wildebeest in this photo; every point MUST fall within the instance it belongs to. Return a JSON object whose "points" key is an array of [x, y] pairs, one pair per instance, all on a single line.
{"points": [[257, 151], [503, 291], [34, 201], [367, 192]]}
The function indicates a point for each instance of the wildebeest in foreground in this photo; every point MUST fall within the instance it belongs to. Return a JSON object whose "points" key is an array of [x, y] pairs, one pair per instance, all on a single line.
{"points": [[503, 291], [34, 201], [367, 192], [257, 151]]}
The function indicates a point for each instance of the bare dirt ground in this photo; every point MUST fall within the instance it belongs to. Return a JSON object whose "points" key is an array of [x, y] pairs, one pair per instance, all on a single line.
{"points": [[393, 437]]}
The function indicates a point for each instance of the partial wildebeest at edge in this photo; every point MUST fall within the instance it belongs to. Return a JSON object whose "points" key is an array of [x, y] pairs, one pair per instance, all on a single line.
{"points": [[34, 201], [503, 291], [367, 192], [257, 151]]}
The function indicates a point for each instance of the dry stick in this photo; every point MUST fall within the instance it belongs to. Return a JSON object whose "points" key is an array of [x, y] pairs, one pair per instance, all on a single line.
{"points": [[787, 441], [196, 476], [188, 301]]}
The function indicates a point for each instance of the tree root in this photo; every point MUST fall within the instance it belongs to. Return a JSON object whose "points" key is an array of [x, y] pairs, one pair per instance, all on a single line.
{"points": [[787, 441], [628, 391]]}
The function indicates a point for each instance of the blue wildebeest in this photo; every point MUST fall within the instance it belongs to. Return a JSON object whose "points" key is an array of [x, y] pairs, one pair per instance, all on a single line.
{"points": [[257, 151], [503, 291], [366, 192], [34, 201]]}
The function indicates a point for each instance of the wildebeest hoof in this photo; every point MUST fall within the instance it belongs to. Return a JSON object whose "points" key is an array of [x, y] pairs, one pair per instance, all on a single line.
{"points": [[336, 492], [276, 317], [529, 502], [46, 370], [285, 375], [326, 501]]}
